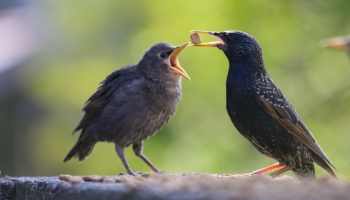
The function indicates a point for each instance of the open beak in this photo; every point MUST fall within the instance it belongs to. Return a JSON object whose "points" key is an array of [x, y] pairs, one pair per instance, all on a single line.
{"points": [[210, 44], [174, 62], [340, 43]]}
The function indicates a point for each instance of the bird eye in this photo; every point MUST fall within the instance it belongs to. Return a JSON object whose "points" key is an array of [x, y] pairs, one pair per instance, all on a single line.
{"points": [[163, 55]]}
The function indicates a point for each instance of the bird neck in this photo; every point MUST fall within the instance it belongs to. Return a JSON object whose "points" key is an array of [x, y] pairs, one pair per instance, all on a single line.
{"points": [[164, 92], [244, 73], [241, 77]]}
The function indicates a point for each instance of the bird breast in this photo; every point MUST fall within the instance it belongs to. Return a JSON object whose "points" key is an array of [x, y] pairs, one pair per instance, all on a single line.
{"points": [[159, 105]]}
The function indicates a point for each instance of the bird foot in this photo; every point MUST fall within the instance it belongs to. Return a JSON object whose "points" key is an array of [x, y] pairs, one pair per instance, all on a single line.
{"points": [[267, 169], [162, 172]]}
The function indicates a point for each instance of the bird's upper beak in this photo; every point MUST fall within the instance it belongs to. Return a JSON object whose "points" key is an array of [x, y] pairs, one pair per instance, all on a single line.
{"points": [[340, 43], [174, 62], [210, 44]]}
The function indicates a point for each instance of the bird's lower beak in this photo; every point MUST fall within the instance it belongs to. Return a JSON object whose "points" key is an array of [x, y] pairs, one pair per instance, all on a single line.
{"points": [[340, 43], [174, 62], [209, 44]]}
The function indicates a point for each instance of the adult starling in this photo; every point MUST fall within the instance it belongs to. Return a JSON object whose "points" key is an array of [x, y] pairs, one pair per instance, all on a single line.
{"points": [[132, 104], [340, 43], [261, 113]]}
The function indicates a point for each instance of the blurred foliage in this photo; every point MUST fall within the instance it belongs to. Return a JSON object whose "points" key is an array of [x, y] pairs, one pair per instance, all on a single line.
{"points": [[89, 39]]}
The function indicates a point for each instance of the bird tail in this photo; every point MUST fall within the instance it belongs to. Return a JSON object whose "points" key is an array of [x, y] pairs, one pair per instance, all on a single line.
{"points": [[317, 159], [81, 150]]}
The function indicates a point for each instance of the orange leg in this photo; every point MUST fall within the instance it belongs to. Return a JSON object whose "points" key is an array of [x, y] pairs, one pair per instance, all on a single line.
{"points": [[268, 169], [280, 171]]}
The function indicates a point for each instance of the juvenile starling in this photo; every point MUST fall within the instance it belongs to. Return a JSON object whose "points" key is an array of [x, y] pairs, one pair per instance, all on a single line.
{"points": [[132, 104], [340, 43], [261, 113]]}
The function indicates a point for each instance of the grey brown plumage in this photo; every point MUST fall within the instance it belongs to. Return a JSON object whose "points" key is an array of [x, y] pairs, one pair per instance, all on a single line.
{"points": [[132, 104], [260, 111]]}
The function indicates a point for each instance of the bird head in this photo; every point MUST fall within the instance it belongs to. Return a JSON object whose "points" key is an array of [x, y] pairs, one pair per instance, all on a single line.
{"points": [[339, 43], [238, 46], [161, 61]]}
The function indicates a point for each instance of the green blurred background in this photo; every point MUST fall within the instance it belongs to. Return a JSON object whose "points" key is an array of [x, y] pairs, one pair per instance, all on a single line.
{"points": [[73, 45]]}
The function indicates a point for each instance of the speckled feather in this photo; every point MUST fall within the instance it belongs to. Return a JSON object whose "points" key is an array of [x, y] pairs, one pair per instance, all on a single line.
{"points": [[262, 114]]}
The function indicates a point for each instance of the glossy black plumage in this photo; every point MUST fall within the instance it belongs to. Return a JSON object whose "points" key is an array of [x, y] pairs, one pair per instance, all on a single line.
{"points": [[132, 104], [260, 111]]}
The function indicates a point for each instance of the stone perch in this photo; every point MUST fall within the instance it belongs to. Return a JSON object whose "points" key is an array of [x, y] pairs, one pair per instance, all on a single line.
{"points": [[168, 186]]}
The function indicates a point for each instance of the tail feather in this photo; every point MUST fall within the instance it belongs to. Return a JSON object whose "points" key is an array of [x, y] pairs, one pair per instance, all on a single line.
{"points": [[81, 150], [317, 159]]}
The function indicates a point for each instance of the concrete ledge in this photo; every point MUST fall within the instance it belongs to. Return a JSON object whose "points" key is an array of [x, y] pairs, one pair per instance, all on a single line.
{"points": [[182, 186]]}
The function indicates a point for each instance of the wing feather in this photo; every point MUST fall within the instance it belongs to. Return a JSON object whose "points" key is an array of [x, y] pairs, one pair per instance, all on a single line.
{"points": [[277, 106], [95, 105]]}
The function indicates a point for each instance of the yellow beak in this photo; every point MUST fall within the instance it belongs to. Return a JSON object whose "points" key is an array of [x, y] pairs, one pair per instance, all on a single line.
{"points": [[174, 62], [340, 43], [209, 44]]}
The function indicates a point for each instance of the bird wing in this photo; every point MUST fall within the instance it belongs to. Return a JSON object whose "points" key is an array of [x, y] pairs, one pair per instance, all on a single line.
{"points": [[272, 100], [95, 105]]}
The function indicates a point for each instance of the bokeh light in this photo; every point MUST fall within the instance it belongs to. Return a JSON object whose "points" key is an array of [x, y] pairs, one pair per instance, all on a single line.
{"points": [[58, 52]]}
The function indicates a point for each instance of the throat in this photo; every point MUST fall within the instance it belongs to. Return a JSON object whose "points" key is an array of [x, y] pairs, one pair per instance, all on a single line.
{"points": [[239, 75], [242, 76], [165, 87]]}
